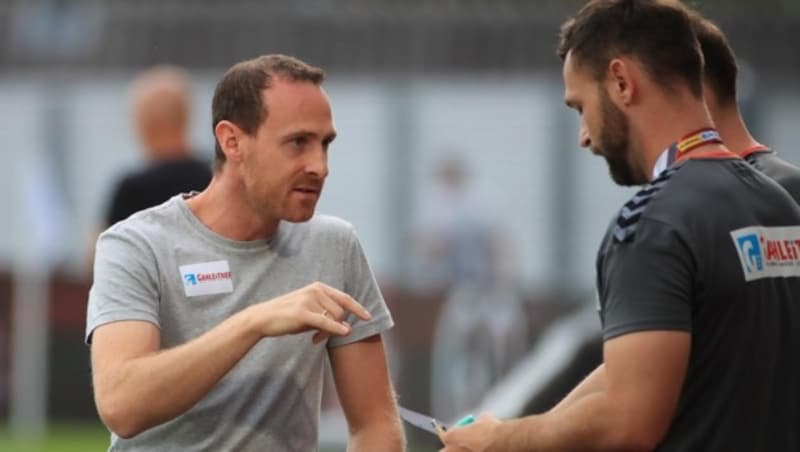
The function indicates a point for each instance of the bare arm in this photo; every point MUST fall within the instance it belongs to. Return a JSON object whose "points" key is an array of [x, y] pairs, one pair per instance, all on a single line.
{"points": [[594, 382], [365, 392], [645, 373], [138, 386]]}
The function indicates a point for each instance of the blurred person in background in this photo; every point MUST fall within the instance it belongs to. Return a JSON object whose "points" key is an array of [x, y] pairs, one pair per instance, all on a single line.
{"points": [[481, 329], [455, 239], [698, 275], [212, 315], [719, 89], [161, 103]]}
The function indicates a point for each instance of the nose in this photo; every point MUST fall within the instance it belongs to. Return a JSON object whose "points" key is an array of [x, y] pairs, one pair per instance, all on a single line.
{"points": [[583, 136], [317, 163]]}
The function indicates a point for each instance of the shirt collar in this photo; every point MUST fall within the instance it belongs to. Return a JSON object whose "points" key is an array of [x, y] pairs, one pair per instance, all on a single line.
{"points": [[661, 163]]}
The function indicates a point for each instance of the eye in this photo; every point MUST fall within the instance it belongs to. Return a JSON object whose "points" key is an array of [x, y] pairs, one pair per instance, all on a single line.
{"points": [[299, 142]]}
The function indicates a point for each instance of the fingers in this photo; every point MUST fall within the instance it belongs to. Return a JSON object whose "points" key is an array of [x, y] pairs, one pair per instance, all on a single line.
{"points": [[324, 308], [329, 307], [320, 336], [326, 324], [345, 301]]}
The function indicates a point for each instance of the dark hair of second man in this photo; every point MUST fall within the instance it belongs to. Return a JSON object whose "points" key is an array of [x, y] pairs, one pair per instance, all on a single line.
{"points": [[658, 33], [720, 70], [238, 95]]}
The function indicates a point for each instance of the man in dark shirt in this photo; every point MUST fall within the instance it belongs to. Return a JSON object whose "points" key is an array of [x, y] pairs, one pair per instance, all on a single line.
{"points": [[719, 90], [160, 98], [697, 275]]}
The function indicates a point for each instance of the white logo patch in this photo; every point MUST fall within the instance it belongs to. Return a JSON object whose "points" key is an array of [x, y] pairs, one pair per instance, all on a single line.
{"points": [[207, 278], [768, 252]]}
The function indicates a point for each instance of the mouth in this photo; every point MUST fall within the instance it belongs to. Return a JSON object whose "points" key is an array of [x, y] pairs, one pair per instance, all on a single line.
{"points": [[307, 191]]}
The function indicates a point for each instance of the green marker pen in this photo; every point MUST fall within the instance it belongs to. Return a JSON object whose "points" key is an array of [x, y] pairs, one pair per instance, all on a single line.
{"points": [[466, 420]]}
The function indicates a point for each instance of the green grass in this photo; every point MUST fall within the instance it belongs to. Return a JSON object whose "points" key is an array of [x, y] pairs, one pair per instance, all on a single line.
{"points": [[63, 437]]}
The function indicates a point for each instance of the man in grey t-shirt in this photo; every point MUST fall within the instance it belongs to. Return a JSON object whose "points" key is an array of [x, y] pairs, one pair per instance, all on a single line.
{"points": [[211, 315]]}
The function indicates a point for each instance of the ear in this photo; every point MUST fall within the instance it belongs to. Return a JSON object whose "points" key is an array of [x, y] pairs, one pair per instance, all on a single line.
{"points": [[621, 80], [229, 136]]}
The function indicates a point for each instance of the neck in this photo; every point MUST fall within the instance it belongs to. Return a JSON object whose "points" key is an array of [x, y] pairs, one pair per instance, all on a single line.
{"points": [[222, 207], [675, 119], [734, 132]]}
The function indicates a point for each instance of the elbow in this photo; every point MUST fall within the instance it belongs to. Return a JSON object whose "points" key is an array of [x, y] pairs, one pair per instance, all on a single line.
{"points": [[390, 437], [119, 420]]}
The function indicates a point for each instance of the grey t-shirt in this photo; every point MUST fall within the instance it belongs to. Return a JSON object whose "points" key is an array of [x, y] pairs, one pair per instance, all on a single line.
{"points": [[163, 266], [712, 247]]}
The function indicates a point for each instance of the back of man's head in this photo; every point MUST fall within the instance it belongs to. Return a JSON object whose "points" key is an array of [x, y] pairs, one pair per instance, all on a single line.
{"points": [[657, 33], [160, 97], [720, 70], [238, 97]]}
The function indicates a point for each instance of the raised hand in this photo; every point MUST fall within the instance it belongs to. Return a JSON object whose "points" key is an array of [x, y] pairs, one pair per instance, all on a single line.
{"points": [[316, 306]]}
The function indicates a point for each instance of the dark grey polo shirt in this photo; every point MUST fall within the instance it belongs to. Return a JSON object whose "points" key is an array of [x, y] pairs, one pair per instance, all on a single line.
{"points": [[712, 247]]}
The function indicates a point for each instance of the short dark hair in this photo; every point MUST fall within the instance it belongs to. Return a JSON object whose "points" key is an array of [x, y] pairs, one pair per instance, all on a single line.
{"points": [[658, 33], [720, 70], [238, 95]]}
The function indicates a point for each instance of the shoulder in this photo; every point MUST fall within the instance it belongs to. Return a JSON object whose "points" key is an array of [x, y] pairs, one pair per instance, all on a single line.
{"points": [[688, 191], [782, 171], [628, 220], [320, 230], [321, 234], [329, 231], [331, 225], [149, 222]]}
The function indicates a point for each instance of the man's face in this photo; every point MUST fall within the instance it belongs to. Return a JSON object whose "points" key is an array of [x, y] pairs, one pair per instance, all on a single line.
{"points": [[285, 164], [604, 128]]}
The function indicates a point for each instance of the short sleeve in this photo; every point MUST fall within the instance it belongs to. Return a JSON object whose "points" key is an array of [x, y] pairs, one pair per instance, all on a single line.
{"points": [[360, 284], [646, 283], [126, 283]]}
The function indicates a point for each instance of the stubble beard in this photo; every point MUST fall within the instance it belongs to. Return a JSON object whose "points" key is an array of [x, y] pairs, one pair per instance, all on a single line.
{"points": [[615, 145]]}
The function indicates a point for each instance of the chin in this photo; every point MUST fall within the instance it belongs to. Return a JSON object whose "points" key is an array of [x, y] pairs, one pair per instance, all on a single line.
{"points": [[627, 179], [624, 174], [299, 216]]}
